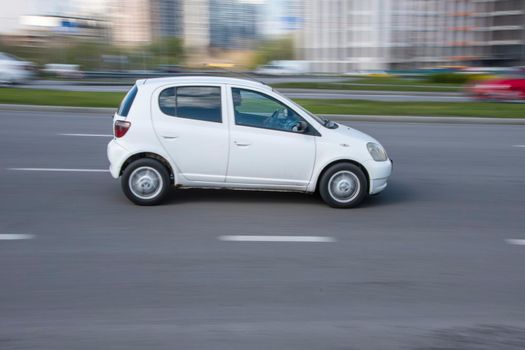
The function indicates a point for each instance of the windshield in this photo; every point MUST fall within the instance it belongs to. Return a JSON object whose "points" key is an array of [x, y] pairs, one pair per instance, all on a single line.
{"points": [[323, 121]]}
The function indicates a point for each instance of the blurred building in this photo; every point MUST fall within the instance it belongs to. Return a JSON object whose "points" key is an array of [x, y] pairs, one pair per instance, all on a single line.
{"points": [[229, 24], [233, 23], [352, 35], [138, 22], [196, 17], [44, 30], [280, 17], [501, 32]]}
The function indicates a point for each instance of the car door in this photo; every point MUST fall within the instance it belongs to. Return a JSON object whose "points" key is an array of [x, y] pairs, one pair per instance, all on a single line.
{"points": [[265, 147], [190, 122]]}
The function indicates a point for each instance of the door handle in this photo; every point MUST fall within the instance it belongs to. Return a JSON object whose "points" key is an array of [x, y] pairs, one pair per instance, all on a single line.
{"points": [[170, 137], [242, 143]]}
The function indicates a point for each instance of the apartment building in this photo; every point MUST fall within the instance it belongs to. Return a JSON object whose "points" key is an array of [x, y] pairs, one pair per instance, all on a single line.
{"points": [[228, 24], [349, 35], [501, 32]]}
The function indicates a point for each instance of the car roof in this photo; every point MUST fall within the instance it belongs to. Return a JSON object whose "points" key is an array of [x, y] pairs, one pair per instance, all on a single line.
{"points": [[204, 79]]}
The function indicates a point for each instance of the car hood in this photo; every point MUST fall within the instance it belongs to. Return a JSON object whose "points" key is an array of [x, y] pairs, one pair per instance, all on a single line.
{"points": [[356, 135]]}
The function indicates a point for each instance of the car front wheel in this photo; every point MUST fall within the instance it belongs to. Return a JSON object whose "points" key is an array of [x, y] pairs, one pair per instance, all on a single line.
{"points": [[343, 185], [145, 182]]}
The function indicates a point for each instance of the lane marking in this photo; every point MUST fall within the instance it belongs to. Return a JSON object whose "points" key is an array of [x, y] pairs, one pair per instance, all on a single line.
{"points": [[309, 239], [62, 170], [515, 241], [88, 135], [15, 236], [521, 146]]}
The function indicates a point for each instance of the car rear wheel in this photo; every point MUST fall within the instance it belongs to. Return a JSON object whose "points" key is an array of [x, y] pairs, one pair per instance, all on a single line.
{"points": [[145, 182], [343, 185]]}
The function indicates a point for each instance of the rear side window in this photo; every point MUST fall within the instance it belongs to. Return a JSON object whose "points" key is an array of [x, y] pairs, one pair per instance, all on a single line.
{"points": [[192, 102], [127, 102]]}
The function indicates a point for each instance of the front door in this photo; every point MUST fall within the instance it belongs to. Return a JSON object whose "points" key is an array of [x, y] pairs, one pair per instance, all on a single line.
{"points": [[267, 146]]}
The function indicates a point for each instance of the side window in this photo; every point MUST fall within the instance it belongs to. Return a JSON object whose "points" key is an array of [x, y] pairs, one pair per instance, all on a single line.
{"points": [[261, 111], [167, 101], [192, 102]]}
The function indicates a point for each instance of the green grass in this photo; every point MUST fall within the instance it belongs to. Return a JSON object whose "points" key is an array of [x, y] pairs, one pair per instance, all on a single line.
{"points": [[60, 98], [358, 107], [375, 84], [447, 109]]}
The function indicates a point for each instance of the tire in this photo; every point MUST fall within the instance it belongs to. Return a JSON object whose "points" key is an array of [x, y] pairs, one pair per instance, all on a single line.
{"points": [[343, 185], [151, 178]]}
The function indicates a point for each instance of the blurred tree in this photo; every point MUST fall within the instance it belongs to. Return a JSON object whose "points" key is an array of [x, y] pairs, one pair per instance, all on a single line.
{"points": [[90, 55], [167, 50], [277, 49]]}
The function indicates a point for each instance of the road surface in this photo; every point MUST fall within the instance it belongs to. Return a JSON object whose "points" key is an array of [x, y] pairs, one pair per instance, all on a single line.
{"points": [[435, 262]]}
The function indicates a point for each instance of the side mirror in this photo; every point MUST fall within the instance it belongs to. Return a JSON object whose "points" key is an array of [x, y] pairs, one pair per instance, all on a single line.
{"points": [[301, 127]]}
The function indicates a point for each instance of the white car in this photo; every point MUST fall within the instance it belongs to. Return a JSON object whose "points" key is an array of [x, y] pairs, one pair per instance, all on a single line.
{"points": [[71, 71], [217, 132], [13, 70]]}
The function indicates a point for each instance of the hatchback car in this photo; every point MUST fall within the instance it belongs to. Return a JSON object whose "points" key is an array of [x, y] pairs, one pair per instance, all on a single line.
{"points": [[218, 132]]}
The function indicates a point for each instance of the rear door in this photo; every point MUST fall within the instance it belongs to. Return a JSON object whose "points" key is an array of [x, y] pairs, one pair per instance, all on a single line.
{"points": [[191, 124]]}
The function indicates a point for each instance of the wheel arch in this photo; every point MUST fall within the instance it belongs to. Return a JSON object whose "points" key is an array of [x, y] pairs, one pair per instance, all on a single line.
{"points": [[338, 161], [150, 155]]}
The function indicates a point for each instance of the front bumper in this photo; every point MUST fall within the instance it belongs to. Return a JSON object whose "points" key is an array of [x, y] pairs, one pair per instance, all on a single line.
{"points": [[379, 173]]}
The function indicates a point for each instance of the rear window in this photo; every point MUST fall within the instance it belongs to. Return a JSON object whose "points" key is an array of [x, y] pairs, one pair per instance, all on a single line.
{"points": [[127, 102], [192, 102]]}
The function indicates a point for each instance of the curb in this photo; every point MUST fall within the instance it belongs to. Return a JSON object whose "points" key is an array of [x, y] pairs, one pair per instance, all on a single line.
{"points": [[336, 117]]}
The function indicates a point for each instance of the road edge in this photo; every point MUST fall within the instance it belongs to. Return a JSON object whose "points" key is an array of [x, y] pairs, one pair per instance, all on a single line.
{"points": [[336, 117]]}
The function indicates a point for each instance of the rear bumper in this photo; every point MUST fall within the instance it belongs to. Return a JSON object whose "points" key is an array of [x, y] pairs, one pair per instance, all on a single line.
{"points": [[117, 155], [379, 173]]}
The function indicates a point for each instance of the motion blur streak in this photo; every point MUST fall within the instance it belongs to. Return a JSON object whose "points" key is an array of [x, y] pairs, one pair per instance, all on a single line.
{"points": [[311, 239]]}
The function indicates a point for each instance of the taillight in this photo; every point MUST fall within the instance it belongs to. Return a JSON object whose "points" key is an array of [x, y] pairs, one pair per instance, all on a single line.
{"points": [[121, 128]]}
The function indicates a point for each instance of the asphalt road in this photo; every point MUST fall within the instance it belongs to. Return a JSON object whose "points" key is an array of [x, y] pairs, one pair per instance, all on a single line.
{"points": [[424, 266], [292, 93]]}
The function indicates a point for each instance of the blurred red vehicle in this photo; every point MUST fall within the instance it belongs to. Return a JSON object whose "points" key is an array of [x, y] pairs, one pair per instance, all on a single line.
{"points": [[499, 89]]}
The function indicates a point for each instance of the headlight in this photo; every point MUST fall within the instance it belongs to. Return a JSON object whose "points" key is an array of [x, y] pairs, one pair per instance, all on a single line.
{"points": [[377, 152]]}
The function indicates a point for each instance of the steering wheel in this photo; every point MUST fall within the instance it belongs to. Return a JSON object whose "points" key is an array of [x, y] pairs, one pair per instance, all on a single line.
{"points": [[273, 119]]}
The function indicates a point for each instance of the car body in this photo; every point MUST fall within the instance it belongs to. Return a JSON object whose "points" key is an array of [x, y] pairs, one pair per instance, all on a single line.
{"points": [[14, 70], [499, 89], [283, 68], [219, 132]]}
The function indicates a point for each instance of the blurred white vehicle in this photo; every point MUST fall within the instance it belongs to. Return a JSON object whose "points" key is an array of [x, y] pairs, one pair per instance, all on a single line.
{"points": [[63, 70], [13, 70], [218, 132], [283, 68], [368, 73]]}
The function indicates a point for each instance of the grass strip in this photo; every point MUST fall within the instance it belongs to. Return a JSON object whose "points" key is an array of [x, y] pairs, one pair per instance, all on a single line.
{"points": [[319, 106], [366, 87]]}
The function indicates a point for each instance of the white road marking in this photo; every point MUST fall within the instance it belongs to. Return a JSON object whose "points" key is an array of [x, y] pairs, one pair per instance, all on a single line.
{"points": [[88, 135], [521, 146], [14, 236], [515, 241], [62, 170], [310, 239]]}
